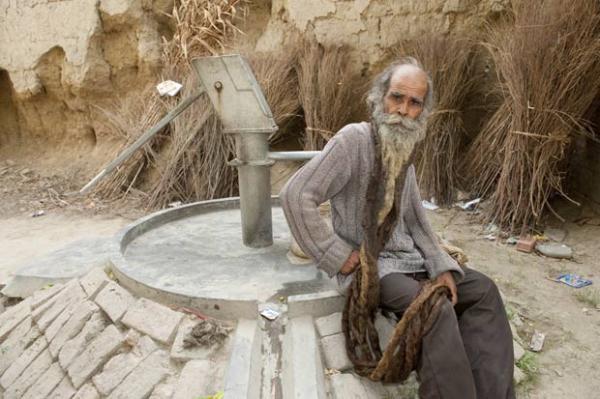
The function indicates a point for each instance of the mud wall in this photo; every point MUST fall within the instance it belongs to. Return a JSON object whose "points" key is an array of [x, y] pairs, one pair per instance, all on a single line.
{"points": [[373, 26], [62, 59]]}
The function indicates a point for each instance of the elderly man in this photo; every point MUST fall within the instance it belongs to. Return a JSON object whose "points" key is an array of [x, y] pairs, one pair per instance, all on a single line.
{"points": [[467, 352]]}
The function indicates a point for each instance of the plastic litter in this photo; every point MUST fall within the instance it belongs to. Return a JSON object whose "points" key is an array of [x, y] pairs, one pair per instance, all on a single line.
{"points": [[468, 206], [429, 205], [573, 280], [270, 313], [537, 341], [169, 88], [38, 214]]}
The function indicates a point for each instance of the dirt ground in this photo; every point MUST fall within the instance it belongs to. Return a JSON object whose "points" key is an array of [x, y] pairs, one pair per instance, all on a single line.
{"points": [[26, 191], [567, 367]]}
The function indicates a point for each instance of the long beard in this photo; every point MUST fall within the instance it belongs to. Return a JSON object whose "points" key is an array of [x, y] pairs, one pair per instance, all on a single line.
{"points": [[398, 136]]}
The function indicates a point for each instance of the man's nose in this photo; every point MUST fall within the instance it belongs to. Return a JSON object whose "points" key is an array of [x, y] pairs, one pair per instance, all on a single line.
{"points": [[403, 109]]}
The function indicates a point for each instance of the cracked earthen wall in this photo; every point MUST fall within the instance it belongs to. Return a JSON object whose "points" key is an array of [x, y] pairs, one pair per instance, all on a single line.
{"points": [[60, 59]]}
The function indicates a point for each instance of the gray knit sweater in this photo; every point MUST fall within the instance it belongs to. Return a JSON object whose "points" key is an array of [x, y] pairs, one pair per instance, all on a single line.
{"points": [[340, 173]]}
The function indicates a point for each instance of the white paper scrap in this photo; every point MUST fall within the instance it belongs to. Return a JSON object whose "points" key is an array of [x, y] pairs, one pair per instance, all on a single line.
{"points": [[429, 205], [469, 206], [269, 313], [168, 87]]}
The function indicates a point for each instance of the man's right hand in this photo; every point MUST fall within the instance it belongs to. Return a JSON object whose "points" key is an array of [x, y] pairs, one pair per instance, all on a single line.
{"points": [[351, 263]]}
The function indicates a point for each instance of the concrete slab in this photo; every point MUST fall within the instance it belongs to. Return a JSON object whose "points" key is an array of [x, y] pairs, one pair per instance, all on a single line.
{"points": [[303, 375], [74, 260], [16, 343], [329, 325], [316, 304], [245, 364], [19, 365], [193, 256], [334, 350]]}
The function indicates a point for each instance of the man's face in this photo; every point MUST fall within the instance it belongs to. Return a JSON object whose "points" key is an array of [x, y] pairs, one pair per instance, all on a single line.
{"points": [[407, 91]]}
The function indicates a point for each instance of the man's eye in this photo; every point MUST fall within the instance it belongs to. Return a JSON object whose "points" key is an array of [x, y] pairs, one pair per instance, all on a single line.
{"points": [[416, 103]]}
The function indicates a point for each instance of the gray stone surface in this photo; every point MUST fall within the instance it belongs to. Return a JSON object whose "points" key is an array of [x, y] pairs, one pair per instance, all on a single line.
{"points": [[142, 380], [64, 390], [555, 234], [29, 376], [94, 281], [74, 260], [554, 250], [315, 304], [302, 367], [12, 316], [19, 365], [329, 325], [349, 386], [45, 314], [245, 364], [95, 355], [385, 329], [73, 326], [119, 366], [42, 296], [153, 319], [334, 351], [46, 383], [114, 300], [196, 380], [518, 375], [60, 320], [14, 345], [519, 351], [88, 391], [165, 389], [76, 345]]}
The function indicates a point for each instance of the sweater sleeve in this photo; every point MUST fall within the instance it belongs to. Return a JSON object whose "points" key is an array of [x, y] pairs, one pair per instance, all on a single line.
{"points": [[316, 182], [437, 261]]}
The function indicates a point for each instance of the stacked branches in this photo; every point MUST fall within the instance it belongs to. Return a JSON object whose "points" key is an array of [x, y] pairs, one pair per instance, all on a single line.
{"points": [[450, 63], [189, 161], [127, 119], [330, 90], [195, 158], [549, 69], [201, 27], [275, 71]]}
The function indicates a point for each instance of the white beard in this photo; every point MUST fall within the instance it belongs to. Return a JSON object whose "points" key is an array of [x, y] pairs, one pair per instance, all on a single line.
{"points": [[398, 136]]}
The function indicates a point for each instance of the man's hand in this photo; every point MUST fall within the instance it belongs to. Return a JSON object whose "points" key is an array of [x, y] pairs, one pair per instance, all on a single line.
{"points": [[351, 263], [447, 279]]}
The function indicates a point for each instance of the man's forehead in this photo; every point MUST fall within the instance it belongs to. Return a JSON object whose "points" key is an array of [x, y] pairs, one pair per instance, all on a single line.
{"points": [[409, 77]]}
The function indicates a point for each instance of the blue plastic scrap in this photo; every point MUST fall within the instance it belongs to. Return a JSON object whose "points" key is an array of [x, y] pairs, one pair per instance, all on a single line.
{"points": [[573, 280]]}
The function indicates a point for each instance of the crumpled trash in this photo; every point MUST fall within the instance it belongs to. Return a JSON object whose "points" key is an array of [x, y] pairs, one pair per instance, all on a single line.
{"points": [[468, 206], [537, 341], [573, 280], [169, 88], [38, 214], [206, 333], [429, 205], [269, 312]]}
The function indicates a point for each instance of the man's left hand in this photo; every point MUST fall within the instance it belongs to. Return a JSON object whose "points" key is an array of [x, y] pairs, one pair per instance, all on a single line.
{"points": [[447, 279]]}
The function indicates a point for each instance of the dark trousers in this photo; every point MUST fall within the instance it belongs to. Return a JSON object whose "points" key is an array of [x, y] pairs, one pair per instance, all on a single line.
{"points": [[468, 352]]}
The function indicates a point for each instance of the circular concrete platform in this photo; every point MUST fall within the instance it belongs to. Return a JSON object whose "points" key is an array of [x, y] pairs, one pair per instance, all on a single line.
{"points": [[193, 256]]}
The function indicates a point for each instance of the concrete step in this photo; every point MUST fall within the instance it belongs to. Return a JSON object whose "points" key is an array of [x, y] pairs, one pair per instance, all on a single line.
{"points": [[243, 375], [302, 367]]}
